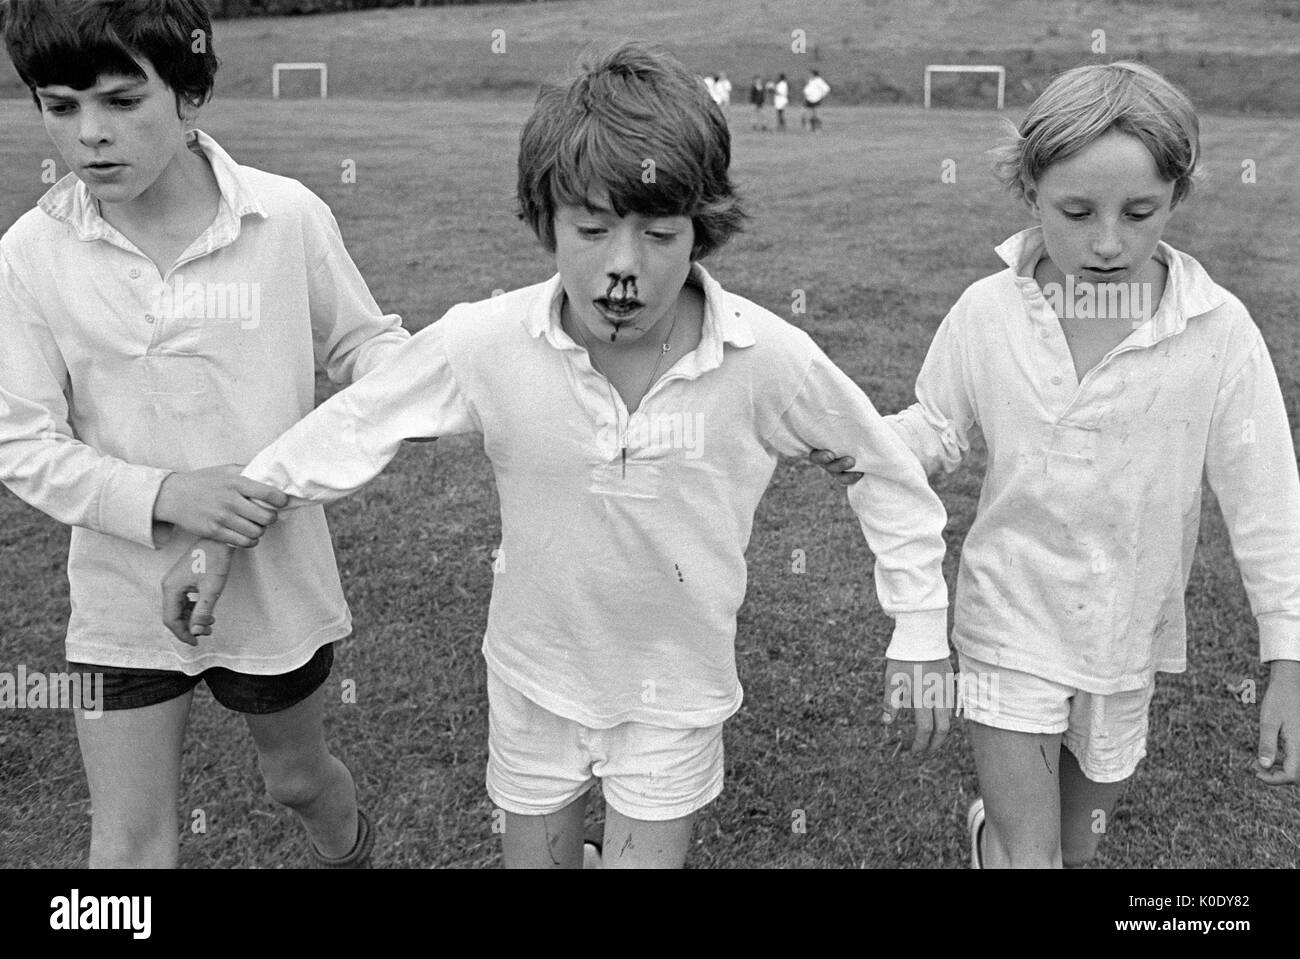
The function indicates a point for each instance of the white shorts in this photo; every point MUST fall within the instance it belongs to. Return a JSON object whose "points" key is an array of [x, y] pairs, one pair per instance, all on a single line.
{"points": [[539, 762], [1107, 734]]}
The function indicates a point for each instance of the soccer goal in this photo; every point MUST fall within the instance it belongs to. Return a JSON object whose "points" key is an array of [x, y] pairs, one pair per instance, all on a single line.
{"points": [[324, 77], [934, 68]]}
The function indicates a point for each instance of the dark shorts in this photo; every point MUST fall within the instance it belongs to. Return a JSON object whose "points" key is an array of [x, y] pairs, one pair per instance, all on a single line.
{"points": [[126, 688]]}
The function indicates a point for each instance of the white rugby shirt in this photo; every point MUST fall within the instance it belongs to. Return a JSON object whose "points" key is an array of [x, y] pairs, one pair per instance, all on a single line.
{"points": [[112, 376], [1076, 564], [616, 592]]}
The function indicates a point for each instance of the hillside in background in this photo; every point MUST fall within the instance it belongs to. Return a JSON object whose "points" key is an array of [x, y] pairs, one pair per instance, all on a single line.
{"points": [[1240, 57]]}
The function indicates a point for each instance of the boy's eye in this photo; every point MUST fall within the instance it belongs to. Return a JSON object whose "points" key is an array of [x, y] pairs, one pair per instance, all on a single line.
{"points": [[663, 235], [590, 231], [1142, 215], [1074, 214], [127, 103], [58, 109]]}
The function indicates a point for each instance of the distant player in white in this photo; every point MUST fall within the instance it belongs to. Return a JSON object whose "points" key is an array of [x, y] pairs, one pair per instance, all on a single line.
{"points": [[722, 91], [781, 99], [814, 92]]}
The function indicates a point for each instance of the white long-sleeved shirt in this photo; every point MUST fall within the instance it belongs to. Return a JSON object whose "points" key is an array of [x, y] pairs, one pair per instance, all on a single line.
{"points": [[112, 377], [617, 588], [816, 90], [1081, 549]]}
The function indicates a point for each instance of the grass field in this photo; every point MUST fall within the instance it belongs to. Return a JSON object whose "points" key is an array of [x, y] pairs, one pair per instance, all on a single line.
{"points": [[881, 248], [1239, 57]]}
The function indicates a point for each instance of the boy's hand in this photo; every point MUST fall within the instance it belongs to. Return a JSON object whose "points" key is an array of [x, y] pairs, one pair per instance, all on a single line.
{"points": [[924, 687], [838, 467], [219, 504], [1279, 725], [192, 587]]}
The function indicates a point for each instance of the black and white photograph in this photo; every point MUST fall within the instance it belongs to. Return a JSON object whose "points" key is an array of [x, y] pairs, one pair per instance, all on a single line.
{"points": [[610, 434]]}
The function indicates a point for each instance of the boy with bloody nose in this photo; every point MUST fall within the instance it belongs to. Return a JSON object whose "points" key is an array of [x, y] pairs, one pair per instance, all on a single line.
{"points": [[633, 412]]}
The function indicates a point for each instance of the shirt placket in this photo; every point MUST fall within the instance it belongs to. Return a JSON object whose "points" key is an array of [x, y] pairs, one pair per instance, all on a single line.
{"points": [[153, 314], [600, 394], [1066, 393]]}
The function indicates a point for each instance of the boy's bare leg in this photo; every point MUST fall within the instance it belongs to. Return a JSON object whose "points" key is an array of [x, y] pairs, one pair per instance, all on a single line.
{"points": [[545, 842], [639, 844], [1019, 777], [1081, 801], [133, 765], [301, 773]]}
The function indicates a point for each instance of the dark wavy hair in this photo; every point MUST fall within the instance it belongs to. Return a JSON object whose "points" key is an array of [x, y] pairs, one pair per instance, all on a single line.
{"points": [[73, 43], [636, 122]]}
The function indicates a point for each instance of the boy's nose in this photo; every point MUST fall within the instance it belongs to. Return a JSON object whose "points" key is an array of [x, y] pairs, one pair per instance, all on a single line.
{"points": [[623, 257], [94, 129], [621, 287], [1107, 243]]}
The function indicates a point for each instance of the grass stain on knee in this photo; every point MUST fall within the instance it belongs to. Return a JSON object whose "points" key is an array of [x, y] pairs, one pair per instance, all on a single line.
{"points": [[1050, 771]]}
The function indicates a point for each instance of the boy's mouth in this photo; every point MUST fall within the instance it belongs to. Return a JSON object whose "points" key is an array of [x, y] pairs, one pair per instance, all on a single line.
{"points": [[618, 311], [104, 169]]}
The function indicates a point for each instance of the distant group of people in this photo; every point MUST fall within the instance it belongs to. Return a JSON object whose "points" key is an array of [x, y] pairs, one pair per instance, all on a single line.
{"points": [[777, 94]]}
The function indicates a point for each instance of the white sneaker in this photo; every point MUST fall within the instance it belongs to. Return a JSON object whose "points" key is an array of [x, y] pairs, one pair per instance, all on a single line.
{"points": [[975, 826], [591, 856]]}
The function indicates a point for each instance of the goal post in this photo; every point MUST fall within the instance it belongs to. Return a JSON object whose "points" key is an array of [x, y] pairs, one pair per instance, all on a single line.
{"points": [[280, 67], [934, 68]]}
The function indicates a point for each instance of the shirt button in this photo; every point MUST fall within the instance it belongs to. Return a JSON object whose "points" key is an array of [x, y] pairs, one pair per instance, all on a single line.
{"points": [[135, 273], [149, 318], [1056, 381]]}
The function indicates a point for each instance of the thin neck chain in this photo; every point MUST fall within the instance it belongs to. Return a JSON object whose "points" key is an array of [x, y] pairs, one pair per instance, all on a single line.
{"points": [[659, 358]]}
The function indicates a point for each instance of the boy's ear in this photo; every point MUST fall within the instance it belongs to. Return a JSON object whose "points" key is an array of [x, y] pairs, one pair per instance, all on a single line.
{"points": [[1031, 200], [187, 111]]}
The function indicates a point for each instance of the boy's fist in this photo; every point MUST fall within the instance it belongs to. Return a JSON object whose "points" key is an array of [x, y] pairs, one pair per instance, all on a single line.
{"points": [[1279, 725], [219, 504], [192, 587], [925, 688]]}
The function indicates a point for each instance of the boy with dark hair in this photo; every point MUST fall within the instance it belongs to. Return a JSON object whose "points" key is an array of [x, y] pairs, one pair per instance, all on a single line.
{"points": [[633, 412], [161, 312]]}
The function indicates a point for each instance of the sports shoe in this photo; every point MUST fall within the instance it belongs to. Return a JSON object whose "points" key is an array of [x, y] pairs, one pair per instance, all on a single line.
{"points": [[359, 857], [975, 826], [592, 847]]}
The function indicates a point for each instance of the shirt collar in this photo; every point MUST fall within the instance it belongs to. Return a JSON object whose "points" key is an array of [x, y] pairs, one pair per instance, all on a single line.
{"points": [[1189, 291], [724, 318], [71, 202]]}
